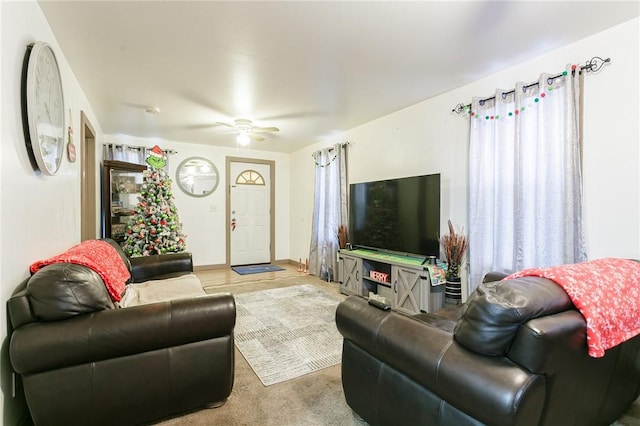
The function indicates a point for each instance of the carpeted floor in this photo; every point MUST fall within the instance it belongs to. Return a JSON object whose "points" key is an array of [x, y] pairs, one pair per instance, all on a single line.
{"points": [[631, 417], [315, 399]]}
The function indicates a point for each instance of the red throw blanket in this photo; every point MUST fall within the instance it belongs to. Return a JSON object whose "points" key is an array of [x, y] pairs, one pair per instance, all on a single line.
{"points": [[99, 256], [607, 293]]}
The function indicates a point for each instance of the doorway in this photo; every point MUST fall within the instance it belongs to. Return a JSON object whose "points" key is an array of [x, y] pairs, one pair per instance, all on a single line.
{"points": [[88, 210], [250, 211]]}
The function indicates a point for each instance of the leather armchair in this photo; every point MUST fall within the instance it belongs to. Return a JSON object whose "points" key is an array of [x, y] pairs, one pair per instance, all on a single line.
{"points": [[83, 360], [516, 359]]}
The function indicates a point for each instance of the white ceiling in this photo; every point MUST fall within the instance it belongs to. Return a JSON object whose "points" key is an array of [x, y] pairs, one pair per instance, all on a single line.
{"points": [[313, 69]]}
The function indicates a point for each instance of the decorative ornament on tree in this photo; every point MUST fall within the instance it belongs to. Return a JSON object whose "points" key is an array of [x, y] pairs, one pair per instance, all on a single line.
{"points": [[151, 231]]}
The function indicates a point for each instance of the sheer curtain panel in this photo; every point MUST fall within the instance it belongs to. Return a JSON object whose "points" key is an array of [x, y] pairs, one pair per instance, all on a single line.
{"points": [[329, 211], [130, 154], [525, 181]]}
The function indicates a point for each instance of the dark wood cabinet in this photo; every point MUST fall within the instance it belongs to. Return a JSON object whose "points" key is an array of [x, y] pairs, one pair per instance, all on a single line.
{"points": [[121, 182]]}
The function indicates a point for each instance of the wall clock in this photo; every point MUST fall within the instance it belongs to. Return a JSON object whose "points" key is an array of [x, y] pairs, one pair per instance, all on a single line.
{"points": [[43, 108]]}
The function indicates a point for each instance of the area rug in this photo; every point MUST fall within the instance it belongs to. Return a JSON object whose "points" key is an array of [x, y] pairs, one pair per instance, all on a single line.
{"points": [[256, 269], [288, 332]]}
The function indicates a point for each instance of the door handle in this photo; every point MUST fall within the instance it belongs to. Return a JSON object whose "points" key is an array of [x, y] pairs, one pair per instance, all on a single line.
{"points": [[395, 286]]}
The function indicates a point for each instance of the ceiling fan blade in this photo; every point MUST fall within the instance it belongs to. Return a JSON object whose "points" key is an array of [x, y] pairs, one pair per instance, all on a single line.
{"points": [[266, 129], [225, 124], [137, 106], [197, 126], [256, 138], [232, 132], [286, 116]]}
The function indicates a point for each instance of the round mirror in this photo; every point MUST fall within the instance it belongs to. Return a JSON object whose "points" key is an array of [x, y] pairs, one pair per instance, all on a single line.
{"points": [[197, 176]]}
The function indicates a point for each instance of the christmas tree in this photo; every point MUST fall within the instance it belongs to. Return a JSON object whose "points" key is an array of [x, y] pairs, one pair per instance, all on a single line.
{"points": [[154, 227]]}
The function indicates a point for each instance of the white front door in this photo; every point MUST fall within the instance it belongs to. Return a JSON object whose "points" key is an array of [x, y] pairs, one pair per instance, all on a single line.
{"points": [[250, 208]]}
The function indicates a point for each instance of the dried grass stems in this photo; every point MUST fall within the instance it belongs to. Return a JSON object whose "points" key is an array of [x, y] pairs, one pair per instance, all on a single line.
{"points": [[454, 246], [343, 236]]}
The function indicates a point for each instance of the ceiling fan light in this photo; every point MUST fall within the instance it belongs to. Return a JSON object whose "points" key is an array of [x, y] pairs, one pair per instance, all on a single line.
{"points": [[243, 139]]}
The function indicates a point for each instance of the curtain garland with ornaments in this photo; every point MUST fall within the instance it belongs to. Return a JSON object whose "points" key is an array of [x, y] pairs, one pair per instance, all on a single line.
{"points": [[594, 65]]}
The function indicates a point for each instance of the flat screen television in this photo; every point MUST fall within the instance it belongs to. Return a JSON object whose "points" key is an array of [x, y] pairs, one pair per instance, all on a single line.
{"points": [[400, 215]]}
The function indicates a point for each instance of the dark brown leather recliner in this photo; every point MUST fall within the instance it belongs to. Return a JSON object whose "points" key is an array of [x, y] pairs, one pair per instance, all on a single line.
{"points": [[84, 361], [518, 357]]}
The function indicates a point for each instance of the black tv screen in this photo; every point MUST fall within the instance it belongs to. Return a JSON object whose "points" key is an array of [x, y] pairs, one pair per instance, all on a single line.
{"points": [[400, 215]]}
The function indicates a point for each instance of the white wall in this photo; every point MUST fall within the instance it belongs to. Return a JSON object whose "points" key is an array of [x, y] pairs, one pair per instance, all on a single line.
{"points": [[40, 214], [428, 138], [206, 229]]}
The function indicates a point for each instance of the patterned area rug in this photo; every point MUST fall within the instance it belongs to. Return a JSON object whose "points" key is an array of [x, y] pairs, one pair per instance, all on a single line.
{"points": [[288, 332]]}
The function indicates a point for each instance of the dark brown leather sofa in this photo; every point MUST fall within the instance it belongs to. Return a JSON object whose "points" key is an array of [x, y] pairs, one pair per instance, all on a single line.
{"points": [[514, 354], [84, 361]]}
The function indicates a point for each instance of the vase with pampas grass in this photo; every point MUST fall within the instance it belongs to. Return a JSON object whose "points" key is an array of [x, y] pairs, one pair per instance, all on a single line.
{"points": [[454, 246], [343, 236]]}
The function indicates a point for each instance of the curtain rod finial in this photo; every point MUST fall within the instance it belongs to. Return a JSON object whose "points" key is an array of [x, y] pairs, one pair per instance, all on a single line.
{"points": [[595, 64], [460, 108]]}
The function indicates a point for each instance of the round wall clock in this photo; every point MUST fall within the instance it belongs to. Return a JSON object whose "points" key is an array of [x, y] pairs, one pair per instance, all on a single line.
{"points": [[43, 106]]}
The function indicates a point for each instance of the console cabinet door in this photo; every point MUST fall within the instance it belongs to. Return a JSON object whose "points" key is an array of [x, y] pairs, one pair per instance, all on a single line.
{"points": [[350, 275], [407, 285]]}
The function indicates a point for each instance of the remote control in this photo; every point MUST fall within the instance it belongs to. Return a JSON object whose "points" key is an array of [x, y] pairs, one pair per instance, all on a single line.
{"points": [[380, 305]]}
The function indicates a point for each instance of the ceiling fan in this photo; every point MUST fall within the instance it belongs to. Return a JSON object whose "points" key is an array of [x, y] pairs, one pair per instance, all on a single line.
{"points": [[247, 132]]}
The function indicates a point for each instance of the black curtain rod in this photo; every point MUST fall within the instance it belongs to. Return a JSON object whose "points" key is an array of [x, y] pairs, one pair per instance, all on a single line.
{"points": [[331, 148], [137, 148], [593, 65]]}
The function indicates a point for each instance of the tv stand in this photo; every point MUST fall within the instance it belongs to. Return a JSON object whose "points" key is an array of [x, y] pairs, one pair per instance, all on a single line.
{"points": [[409, 285]]}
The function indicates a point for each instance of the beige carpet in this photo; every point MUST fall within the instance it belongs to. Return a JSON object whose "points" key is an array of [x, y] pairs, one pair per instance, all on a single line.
{"points": [[631, 417]]}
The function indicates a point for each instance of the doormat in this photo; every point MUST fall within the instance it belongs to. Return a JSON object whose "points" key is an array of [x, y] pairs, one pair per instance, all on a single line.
{"points": [[287, 332], [256, 269]]}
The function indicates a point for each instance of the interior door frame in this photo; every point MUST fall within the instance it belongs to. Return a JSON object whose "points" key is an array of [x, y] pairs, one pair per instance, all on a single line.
{"points": [[272, 204], [88, 179]]}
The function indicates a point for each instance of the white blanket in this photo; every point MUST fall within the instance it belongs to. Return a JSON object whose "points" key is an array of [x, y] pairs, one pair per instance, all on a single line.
{"points": [[153, 291]]}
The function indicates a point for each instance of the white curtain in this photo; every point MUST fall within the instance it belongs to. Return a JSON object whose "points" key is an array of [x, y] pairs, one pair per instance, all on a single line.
{"points": [[525, 181], [129, 154], [329, 211]]}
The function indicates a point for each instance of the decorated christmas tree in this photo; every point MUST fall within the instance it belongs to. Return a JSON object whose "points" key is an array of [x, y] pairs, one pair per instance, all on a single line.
{"points": [[154, 227]]}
